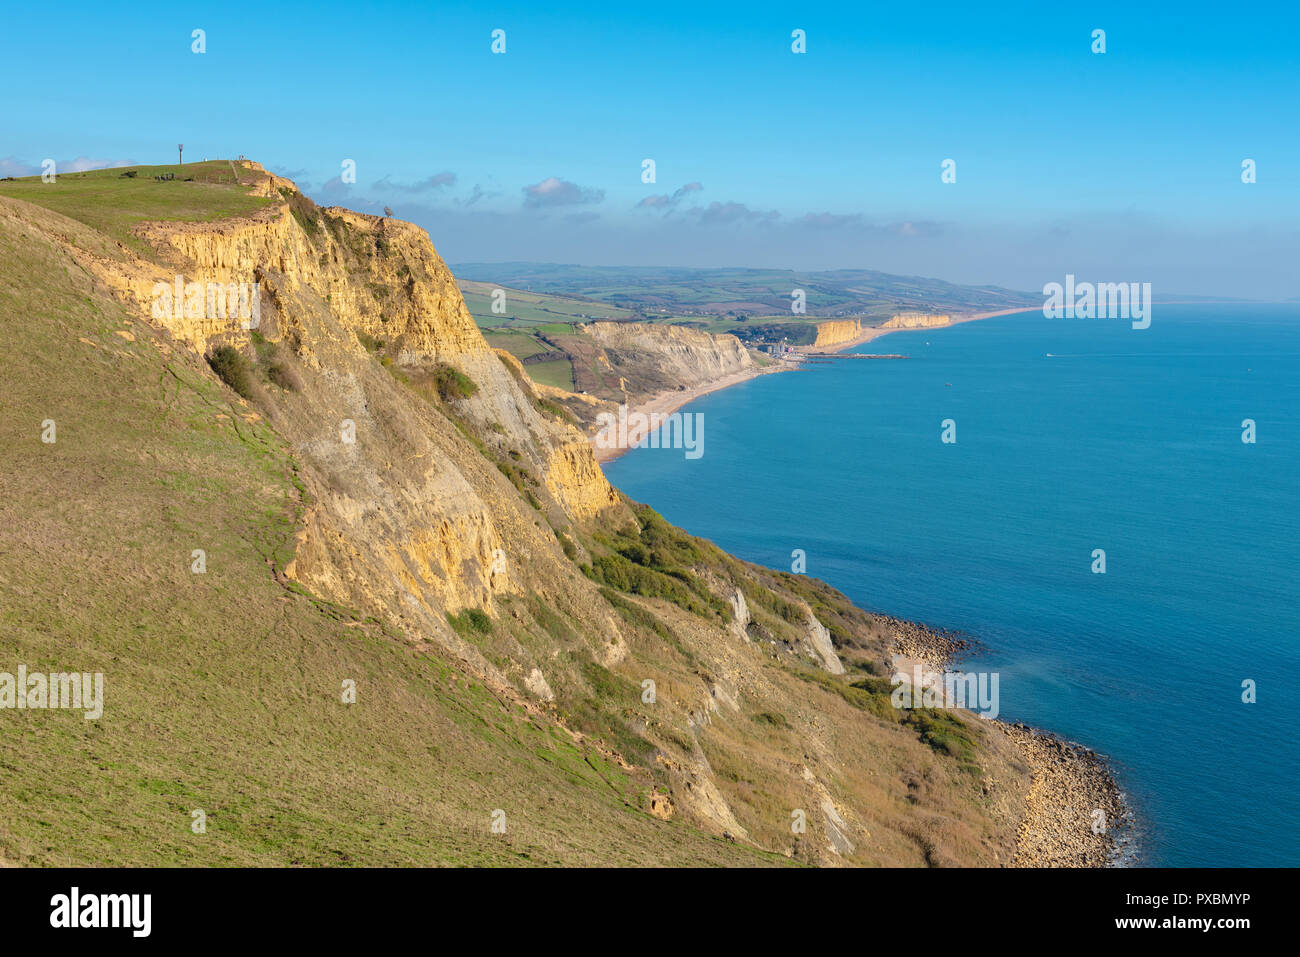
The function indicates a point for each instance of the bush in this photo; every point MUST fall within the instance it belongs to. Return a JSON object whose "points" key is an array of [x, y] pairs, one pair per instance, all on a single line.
{"points": [[303, 210], [470, 620], [519, 477], [371, 343], [232, 368], [451, 383], [570, 550], [653, 559], [619, 573], [773, 719]]}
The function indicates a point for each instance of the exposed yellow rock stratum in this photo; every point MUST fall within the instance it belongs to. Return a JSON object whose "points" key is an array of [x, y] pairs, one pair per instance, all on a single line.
{"points": [[835, 332], [676, 355], [331, 282], [917, 320]]}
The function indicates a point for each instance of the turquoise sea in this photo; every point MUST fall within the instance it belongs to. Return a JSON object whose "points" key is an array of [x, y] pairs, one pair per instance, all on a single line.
{"points": [[1072, 435]]}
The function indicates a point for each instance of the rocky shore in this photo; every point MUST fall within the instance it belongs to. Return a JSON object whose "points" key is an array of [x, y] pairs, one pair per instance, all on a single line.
{"points": [[1075, 814], [933, 648]]}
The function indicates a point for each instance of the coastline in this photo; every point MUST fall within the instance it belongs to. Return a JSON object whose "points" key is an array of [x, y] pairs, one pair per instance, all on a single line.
{"points": [[876, 332], [666, 403], [1072, 788], [1069, 783]]}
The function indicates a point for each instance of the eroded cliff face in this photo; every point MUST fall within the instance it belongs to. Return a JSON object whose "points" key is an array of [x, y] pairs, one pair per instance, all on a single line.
{"points": [[633, 363], [652, 356], [917, 320], [437, 480], [402, 519], [834, 332]]}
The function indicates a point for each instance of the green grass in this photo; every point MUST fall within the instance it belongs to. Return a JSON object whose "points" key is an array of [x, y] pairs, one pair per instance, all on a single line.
{"points": [[223, 689], [108, 201], [558, 373], [519, 343], [528, 308], [469, 622]]}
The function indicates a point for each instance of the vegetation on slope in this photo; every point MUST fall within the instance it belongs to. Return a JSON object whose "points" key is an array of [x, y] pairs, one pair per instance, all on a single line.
{"points": [[224, 689], [225, 686]]}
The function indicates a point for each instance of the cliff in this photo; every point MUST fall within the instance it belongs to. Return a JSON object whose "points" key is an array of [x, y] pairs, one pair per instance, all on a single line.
{"points": [[382, 499], [916, 320], [651, 357], [636, 363], [835, 332]]}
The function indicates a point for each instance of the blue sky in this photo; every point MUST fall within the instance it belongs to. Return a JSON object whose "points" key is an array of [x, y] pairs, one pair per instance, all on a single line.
{"points": [[1117, 166]]}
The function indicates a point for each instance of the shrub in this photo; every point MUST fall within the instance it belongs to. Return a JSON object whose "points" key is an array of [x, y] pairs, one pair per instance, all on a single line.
{"points": [[232, 368], [619, 573], [303, 210], [451, 383], [470, 620], [570, 550], [773, 719]]}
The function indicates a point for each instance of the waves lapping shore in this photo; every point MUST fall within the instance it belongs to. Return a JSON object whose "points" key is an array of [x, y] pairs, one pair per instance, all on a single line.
{"points": [[1075, 813]]}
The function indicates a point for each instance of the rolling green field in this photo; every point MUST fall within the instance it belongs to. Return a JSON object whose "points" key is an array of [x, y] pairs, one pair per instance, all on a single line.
{"points": [[527, 308], [524, 344], [717, 294], [558, 373]]}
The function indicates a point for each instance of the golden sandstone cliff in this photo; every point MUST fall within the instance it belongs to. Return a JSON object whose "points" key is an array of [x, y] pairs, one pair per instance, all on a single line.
{"points": [[645, 365], [420, 534], [834, 332], [917, 320], [838, 332], [437, 480]]}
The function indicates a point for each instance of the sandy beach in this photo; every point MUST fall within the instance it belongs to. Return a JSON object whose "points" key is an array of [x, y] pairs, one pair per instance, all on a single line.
{"points": [[666, 403]]}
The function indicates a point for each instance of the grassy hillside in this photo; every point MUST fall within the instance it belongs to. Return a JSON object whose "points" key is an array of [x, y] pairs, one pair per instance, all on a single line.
{"points": [[534, 347], [475, 691], [223, 690]]}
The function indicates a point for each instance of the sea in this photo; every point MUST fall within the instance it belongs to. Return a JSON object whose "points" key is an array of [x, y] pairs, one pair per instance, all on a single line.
{"points": [[1170, 453]]}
